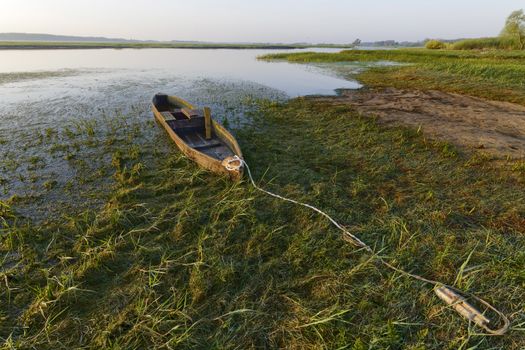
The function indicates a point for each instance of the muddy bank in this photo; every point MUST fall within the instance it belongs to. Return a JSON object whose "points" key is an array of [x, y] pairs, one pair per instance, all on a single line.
{"points": [[497, 128]]}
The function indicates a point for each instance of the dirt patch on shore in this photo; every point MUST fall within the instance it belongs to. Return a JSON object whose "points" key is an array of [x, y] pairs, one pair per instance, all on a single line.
{"points": [[497, 128]]}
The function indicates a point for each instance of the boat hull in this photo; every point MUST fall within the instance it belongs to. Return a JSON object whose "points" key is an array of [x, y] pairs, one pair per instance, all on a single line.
{"points": [[216, 164]]}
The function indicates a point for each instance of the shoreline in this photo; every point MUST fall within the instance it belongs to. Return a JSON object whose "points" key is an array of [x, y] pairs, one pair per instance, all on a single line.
{"points": [[474, 100]]}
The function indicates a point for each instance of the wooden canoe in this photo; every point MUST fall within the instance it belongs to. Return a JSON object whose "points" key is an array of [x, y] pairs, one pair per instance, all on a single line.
{"points": [[198, 136]]}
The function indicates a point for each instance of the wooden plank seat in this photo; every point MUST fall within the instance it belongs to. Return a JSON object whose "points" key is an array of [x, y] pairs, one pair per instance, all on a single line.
{"points": [[167, 116]]}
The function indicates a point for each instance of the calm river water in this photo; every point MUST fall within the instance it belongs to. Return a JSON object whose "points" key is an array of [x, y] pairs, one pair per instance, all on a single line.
{"points": [[52, 81]]}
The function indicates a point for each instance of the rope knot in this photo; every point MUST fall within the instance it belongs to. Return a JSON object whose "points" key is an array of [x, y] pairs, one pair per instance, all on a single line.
{"points": [[233, 163]]}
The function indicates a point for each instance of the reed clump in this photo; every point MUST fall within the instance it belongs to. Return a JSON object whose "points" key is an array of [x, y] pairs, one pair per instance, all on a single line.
{"points": [[496, 43]]}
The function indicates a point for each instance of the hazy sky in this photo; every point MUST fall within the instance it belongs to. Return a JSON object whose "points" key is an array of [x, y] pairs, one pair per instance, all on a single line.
{"points": [[263, 21]]}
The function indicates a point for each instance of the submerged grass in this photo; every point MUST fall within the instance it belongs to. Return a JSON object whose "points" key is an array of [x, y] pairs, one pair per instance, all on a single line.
{"points": [[181, 258], [496, 75], [22, 76]]}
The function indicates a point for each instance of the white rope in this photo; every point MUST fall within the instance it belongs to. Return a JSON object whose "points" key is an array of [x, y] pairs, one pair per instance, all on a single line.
{"points": [[357, 242]]}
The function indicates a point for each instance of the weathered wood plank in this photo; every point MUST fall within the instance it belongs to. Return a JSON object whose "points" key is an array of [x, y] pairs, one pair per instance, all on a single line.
{"points": [[191, 113], [207, 122]]}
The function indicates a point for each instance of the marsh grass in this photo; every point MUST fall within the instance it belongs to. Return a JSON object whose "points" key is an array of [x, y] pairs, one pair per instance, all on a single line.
{"points": [[496, 75], [180, 258]]}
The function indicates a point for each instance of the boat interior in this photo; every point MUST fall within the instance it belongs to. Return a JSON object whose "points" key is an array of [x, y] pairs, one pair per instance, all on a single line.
{"points": [[190, 125]]}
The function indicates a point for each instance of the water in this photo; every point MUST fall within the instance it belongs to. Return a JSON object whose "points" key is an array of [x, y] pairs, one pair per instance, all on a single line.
{"points": [[51, 98], [192, 64]]}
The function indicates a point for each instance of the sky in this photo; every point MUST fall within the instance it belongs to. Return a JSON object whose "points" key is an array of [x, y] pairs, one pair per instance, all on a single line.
{"points": [[315, 21]]}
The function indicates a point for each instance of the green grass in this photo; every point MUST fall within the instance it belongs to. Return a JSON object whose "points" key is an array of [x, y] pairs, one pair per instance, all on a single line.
{"points": [[497, 75], [159, 45], [180, 258]]}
